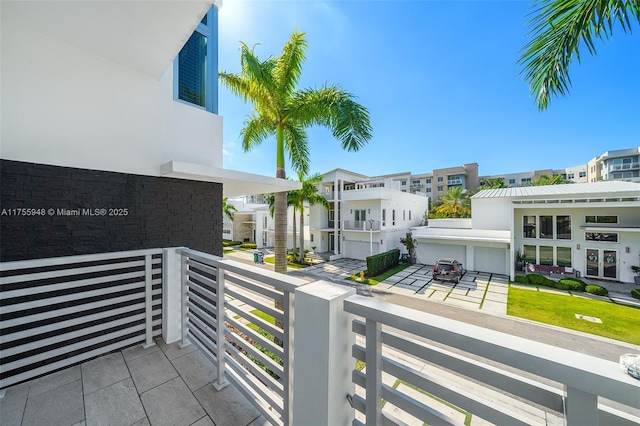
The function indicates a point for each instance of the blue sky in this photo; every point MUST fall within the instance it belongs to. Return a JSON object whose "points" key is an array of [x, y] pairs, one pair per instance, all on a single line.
{"points": [[441, 82]]}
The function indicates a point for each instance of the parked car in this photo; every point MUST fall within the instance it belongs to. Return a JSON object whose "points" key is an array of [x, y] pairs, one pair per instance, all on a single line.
{"points": [[447, 269]]}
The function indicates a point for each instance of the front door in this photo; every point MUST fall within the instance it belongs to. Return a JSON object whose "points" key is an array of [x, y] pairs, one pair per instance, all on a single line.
{"points": [[602, 263], [332, 241]]}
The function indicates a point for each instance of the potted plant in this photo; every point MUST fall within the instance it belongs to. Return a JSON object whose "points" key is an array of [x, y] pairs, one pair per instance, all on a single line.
{"points": [[636, 269], [410, 244], [519, 260]]}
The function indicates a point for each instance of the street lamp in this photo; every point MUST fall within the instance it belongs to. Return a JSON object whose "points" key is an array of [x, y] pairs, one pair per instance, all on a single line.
{"points": [[371, 236]]}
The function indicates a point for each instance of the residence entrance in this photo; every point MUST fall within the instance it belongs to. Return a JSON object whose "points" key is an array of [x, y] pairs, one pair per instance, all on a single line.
{"points": [[602, 263], [332, 242]]}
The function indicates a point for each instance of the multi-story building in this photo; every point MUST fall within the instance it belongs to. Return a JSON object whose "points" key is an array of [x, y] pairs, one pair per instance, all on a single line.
{"points": [[621, 164], [367, 215], [521, 178], [437, 182]]}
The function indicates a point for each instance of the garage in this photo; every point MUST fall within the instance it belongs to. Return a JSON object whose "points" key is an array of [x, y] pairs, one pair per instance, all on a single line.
{"points": [[428, 253], [490, 259], [359, 249]]}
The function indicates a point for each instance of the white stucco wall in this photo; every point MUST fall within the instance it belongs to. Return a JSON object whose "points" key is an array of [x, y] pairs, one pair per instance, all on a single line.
{"points": [[491, 213], [65, 106]]}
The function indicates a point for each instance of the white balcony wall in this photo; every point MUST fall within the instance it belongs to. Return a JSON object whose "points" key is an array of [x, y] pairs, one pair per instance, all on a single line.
{"points": [[66, 106]]}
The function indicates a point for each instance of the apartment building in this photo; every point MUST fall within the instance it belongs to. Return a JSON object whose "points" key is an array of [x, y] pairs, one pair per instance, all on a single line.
{"points": [[437, 182], [621, 164], [367, 215]]}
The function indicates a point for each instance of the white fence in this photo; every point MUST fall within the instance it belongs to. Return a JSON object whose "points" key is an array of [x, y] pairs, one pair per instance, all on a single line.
{"points": [[56, 312]]}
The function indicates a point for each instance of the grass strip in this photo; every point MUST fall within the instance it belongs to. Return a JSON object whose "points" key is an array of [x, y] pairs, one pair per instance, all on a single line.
{"points": [[379, 278]]}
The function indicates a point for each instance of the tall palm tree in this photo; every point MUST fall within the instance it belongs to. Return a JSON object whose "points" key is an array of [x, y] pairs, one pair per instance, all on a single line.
{"points": [[308, 194], [546, 180], [495, 183], [559, 27], [228, 209], [282, 111], [454, 203]]}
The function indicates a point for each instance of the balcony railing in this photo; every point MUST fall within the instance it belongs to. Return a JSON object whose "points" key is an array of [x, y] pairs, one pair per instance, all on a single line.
{"points": [[625, 166], [454, 182], [246, 319], [361, 225]]}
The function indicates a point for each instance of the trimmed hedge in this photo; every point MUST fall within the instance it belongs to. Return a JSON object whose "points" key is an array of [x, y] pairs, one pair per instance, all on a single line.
{"points": [[249, 246], [573, 284], [381, 262], [521, 279], [635, 293], [537, 279], [597, 290], [229, 243]]}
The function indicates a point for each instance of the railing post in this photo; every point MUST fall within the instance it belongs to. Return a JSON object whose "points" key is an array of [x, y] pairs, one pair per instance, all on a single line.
{"points": [[184, 298], [171, 294], [581, 408], [373, 409], [148, 308], [289, 307], [323, 360], [221, 382]]}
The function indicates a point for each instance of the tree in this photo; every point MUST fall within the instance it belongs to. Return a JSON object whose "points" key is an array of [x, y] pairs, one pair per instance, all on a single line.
{"points": [[308, 194], [487, 183], [454, 203], [558, 28], [282, 111], [546, 180], [228, 209]]}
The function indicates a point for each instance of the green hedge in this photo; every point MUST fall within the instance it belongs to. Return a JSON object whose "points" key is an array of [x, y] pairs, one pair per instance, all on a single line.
{"points": [[536, 279], [249, 246], [381, 262], [574, 284], [635, 293], [597, 290], [521, 279], [229, 243]]}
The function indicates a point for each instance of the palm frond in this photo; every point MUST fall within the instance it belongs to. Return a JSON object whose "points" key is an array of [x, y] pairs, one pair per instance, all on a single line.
{"points": [[558, 29], [336, 109], [289, 64], [256, 129], [297, 144]]}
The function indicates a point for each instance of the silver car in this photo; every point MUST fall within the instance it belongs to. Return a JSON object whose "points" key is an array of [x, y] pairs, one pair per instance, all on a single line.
{"points": [[447, 269]]}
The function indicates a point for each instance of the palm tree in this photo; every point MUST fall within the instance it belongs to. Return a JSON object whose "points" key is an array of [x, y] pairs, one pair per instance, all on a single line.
{"points": [[454, 203], [228, 209], [282, 111], [309, 194], [558, 28], [488, 183], [546, 180]]}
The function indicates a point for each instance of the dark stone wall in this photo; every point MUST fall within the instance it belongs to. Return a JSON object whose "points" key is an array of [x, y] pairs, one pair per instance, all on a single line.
{"points": [[77, 211]]}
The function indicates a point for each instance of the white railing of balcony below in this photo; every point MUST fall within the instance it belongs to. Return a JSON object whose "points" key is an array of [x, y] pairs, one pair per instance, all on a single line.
{"points": [[578, 380], [361, 225], [241, 318], [59, 311], [329, 195]]}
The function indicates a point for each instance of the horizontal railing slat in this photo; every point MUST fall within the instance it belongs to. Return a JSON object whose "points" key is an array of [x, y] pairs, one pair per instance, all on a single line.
{"points": [[266, 292], [416, 408], [233, 352], [278, 315], [275, 331], [231, 337], [257, 337]]}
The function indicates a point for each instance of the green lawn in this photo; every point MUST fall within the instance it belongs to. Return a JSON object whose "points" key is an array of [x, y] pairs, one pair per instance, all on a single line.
{"points": [[618, 322], [272, 260], [379, 278]]}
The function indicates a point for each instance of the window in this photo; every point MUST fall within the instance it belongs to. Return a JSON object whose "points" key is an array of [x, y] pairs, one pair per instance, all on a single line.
{"points": [[311, 237], [563, 256], [384, 217], [226, 231], [571, 176], [195, 67], [393, 217], [360, 215], [529, 254], [609, 237], [404, 183], [512, 181], [409, 214], [601, 219], [563, 227], [428, 189], [440, 179], [529, 226], [415, 182], [582, 174], [440, 188], [525, 180], [546, 255], [264, 222], [546, 227], [428, 180]]}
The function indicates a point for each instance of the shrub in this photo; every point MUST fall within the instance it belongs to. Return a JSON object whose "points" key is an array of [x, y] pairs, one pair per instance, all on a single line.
{"points": [[597, 290], [536, 278], [548, 282], [561, 285], [229, 243], [381, 262], [521, 279], [574, 284], [249, 246], [635, 293]]}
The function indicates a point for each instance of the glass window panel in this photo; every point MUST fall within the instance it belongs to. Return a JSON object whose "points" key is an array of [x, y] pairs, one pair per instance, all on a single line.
{"points": [[546, 227], [563, 256], [601, 219], [192, 74], [610, 237], [529, 226], [546, 255], [530, 254], [563, 227]]}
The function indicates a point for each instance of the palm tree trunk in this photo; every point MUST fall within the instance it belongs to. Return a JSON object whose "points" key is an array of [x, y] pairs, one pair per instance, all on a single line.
{"points": [[280, 208], [294, 231], [302, 233]]}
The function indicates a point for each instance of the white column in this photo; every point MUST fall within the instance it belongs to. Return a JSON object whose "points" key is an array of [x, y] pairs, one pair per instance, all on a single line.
{"points": [[171, 295], [322, 353]]}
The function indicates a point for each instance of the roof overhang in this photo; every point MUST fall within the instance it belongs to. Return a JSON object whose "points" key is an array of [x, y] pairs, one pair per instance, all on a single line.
{"points": [[493, 237], [145, 35], [234, 183]]}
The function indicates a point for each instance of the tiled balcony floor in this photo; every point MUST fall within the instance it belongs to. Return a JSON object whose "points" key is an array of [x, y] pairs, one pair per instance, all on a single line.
{"points": [[161, 385]]}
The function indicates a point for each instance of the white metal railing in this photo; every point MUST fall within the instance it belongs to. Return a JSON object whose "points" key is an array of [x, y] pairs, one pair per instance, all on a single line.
{"points": [[578, 380], [59, 311], [226, 301], [625, 166], [456, 181], [361, 225]]}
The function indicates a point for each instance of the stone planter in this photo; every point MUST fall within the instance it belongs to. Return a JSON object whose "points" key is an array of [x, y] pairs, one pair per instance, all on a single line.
{"points": [[636, 279]]}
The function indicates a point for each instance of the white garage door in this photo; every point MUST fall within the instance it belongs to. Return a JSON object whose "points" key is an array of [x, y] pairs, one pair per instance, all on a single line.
{"points": [[359, 249], [428, 253], [489, 259]]}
